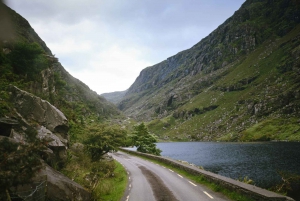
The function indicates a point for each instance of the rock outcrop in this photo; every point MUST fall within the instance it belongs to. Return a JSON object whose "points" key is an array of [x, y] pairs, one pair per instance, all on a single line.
{"points": [[60, 187], [37, 110], [50, 124]]}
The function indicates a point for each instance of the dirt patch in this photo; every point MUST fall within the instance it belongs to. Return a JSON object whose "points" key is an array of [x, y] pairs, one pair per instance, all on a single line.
{"points": [[161, 192]]}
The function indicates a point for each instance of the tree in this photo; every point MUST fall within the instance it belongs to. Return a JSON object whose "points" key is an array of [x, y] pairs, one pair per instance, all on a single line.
{"points": [[103, 139], [144, 141], [27, 59]]}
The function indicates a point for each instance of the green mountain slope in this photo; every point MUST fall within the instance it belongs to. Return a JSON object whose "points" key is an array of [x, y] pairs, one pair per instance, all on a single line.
{"points": [[241, 82], [26, 62]]}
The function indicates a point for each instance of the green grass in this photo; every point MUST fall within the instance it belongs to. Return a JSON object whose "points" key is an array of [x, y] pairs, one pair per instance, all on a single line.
{"points": [[276, 128], [234, 118], [106, 180], [112, 189]]}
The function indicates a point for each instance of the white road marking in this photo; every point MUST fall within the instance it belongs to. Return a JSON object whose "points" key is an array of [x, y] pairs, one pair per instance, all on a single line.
{"points": [[211, 197], [179, 175], [127, 198], [192, 183], [129, 178], [171, 170]]}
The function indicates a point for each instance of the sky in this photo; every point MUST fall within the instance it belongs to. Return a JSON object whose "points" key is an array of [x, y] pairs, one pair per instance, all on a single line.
{"points": [[107, 43]]}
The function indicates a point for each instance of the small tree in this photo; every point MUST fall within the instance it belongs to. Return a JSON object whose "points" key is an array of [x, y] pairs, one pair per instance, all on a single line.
{"points": [[144, 141], [103, 139]]}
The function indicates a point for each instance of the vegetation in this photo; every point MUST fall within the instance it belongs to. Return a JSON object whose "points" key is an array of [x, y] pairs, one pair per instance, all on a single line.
{"points": [[22, 66], [243, 76], [241, 83], [144, 141], [27, 59], [105, 178], [18, 162], [103, 139]]}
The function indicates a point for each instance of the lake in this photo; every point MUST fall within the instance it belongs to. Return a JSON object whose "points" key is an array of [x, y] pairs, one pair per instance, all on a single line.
{"points": [[258, 161]]}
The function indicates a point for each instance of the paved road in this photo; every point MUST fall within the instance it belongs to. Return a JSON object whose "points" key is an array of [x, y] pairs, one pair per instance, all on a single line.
{"points": [[150, 182]]}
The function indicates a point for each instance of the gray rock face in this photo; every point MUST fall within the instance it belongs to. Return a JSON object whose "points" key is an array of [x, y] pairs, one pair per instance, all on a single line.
{"points": [[54, 141], [60, 187], [35, 109], [51, 123]]}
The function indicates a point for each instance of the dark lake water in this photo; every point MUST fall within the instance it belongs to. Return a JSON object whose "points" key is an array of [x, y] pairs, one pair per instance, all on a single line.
{"points": [[258, 161]]}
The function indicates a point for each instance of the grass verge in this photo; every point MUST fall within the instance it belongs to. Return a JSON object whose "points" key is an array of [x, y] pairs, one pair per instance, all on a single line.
{"points": [[105, 179], [201, 180], [113, 188]]}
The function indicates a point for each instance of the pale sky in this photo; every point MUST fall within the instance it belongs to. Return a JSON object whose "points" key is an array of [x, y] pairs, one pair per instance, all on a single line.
{"points": [[106, 43]]}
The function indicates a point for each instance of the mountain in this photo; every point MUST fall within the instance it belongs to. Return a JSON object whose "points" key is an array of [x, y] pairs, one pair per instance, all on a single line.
{"points": [[114, 97], [27, 63], [240, 83], [40, 100]]}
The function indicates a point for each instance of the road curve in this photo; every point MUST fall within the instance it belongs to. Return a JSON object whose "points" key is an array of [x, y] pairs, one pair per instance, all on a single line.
{"points": [[150, 182]]}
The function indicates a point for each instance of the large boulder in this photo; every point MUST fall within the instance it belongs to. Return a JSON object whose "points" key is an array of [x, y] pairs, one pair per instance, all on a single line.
{"points": [[34, 113], [60, 187], [35, 109], [52, 185]]}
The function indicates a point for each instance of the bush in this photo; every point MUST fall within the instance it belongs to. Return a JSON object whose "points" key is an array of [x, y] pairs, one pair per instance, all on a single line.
{"points": [[27, 59], [18, 163]]}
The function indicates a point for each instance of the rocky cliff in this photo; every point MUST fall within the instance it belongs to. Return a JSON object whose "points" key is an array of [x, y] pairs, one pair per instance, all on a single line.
{"points": [[27, 62], [31, 118], [242, 76], [39, 101]]}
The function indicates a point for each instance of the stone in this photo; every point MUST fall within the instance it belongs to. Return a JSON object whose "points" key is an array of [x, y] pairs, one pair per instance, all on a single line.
{"points": [[53, 140], [35, 109], [59, 187]]}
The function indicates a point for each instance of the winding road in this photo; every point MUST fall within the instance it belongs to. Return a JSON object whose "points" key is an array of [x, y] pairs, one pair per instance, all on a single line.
{"points": [[151, 182]]}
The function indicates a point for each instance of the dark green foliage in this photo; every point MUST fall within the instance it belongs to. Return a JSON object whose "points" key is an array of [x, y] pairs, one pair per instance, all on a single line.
{"points": [[27, 59], [18, 162], [59, 82], [102, 139], [144, 141]]}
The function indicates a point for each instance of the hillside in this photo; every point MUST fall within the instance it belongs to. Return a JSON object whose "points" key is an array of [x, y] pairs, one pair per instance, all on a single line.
{"points": [[46, 117], [240, 83], [114, 97], [27, 62]]}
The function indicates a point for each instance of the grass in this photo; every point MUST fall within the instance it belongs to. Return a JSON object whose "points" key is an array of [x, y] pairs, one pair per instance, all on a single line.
{"points": [[112, 189], [276, 128], [106, 180], [247, 114], [201, 180]]}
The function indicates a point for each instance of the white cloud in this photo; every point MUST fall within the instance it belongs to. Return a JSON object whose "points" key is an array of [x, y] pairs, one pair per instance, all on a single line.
{"points": [[106, 44], [114, 69]]}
